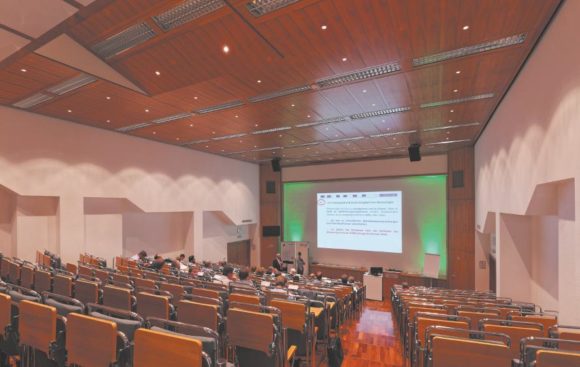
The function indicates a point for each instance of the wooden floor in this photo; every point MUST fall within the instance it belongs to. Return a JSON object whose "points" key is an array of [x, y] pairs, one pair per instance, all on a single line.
{"points": [[372, 338]]}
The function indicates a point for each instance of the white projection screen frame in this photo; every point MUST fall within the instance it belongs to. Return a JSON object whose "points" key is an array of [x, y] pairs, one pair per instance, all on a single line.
{"points": [[423, 214], [360, 221]]}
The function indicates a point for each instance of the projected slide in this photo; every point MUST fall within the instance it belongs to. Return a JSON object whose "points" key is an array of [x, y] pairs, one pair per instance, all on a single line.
{"points": [[363, 221]]}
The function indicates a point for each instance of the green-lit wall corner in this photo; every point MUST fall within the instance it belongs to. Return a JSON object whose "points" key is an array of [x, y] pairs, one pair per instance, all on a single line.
{"points": [[294, 217], [432, 218]]}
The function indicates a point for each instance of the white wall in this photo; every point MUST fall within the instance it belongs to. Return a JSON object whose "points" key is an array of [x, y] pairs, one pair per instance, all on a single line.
{"points": [[43, 156], [532, 140]]}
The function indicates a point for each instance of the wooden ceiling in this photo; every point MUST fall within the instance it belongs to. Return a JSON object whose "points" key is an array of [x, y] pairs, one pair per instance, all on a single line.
{"points": [[185, 70]]}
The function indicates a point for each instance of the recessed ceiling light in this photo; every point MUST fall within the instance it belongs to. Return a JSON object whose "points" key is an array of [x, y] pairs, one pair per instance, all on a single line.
{"points": [[374, 104], [323, 27], [292, 105], [344, 59], [177, 139], [465, 27], [364, 90], [190, 125], [207, 146], [256, 125], [451, 111], [455, 90], [259, 81], [108, 98], [448, 132], [241, 141], [449, 120], [292, 141], [226, 49], [146, 110], [223, 150], [447, 138], [458, 72], [157, 72], [195, 97], [255, 146], [69, 111], [213, 132], [108, 121], [308, 116], [280, 135], [23, 70], [155, 132]]}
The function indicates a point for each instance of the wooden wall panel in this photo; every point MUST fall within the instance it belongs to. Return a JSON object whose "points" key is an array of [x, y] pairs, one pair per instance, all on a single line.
{"points": [[270, 213], [461, 221]]}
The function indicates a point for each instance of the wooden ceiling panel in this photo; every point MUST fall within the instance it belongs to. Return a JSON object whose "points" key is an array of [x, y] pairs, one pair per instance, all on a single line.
{"points": [[289, 48], [29, 75], [90, 105]]}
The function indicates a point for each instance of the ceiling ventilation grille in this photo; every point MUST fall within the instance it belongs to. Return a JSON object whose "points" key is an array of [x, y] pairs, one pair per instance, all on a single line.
{"points": [[344, 139], [457, 100], [394, 134], [325, 121], [179, 116], [358, 75], [451, 126], [281, 93], [141, 125], [387, 111], [72, 84], [185, 12], [303, 145], [32, 101], [260, 7], [124, 40], [470, 50], [271, 130], [265, 149], [226, 137], [193, 142], [219, 107], [449, 142]]}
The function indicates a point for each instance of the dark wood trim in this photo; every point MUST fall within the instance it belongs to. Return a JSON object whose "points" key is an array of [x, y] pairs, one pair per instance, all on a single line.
{"points": [[16, 32]]}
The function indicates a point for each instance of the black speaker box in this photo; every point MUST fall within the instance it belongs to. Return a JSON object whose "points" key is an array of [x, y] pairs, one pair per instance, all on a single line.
{"points": [[276, 165], [414, 153]]}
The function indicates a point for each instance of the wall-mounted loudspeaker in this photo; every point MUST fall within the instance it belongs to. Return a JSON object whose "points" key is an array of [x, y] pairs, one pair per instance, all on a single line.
{"points": [[276, 164], [414, 153]]}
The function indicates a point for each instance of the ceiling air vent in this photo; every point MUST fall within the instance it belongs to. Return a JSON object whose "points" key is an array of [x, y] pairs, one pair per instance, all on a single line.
{"points": [[362, 74], [324, 121], [32, 101], [134, 127], [470, 50], [394, 134], [260, 7], [281, 93], [457, 100], [179, 116], [226, 137], [185, 12], [124, 40], [271, 130], [451, 126], [449, 142], [344, 139], [72, 84], [387, 111], [265, 149], [219, 107]]}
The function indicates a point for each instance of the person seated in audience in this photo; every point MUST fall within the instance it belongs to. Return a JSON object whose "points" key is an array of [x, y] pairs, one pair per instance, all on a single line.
{"points": [[292, 272], [344, 279], [278, 264], [140, 257], [270, 270], [157, 263], [351, 280], [280, 285], [244, 278], [253, 269], [260, 272], [227, 275], [191, 260], [181, 263]]}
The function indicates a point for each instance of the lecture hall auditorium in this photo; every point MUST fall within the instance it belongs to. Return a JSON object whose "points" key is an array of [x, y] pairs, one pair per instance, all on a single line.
{"points": [[289, 183]]}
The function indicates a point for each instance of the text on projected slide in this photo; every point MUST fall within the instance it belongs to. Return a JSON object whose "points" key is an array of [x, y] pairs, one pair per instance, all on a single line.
{"points": [[363, 221]]}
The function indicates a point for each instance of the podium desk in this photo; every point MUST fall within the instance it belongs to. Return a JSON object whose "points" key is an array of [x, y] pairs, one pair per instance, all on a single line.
{"points": [[374, 285]]}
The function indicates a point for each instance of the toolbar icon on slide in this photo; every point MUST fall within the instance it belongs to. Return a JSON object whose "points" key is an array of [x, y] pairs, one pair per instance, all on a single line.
{"points": [[321, 202]]}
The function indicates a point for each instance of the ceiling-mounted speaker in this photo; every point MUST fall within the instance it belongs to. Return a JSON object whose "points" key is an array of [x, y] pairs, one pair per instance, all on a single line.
{"points": [[276, 165], [414, 152]]}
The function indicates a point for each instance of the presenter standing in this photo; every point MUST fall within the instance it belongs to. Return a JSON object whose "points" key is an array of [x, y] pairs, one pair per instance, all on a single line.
{"points": [[278, 264], [300, 264]]}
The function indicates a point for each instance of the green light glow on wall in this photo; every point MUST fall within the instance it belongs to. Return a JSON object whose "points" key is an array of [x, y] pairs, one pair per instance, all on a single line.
{"points": [[294, 218], [433, 218]]}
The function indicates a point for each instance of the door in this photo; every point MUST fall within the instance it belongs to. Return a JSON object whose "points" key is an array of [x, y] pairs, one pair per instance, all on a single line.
{"points": [[239, 252]]}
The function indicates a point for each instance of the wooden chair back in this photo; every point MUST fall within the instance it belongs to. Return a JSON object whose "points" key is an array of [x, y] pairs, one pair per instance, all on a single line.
{"points": [[117, 297], [144, 283], [42, 281], [5, 312], [90, 342], [37, 325], [205, 292], [14, 272], [154, 349], [547, 321], [515, 330], [103, 275], [87, 291], [152, 305], [72, 268], [121, 278], [27, 277], [477, 316], [85, 270], [178, 291], [557, 358], [198, 314], [63, 285], [244, 298], [251, 330], [424, 322], [294, 314], [456, 352]]}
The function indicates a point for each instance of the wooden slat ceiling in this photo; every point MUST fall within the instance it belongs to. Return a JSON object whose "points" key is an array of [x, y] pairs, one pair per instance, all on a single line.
{"points": [[294, 46]]}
